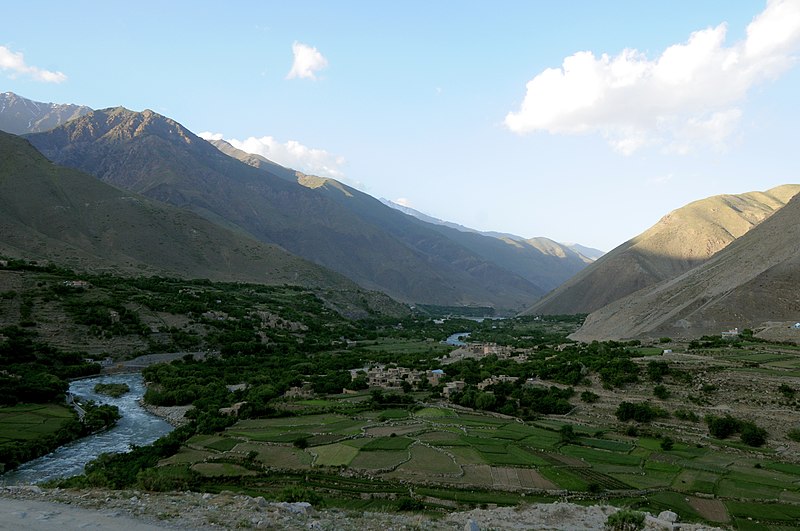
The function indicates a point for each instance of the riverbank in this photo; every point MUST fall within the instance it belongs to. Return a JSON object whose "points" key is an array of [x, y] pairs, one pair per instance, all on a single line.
{"points": [[174, 415], [42, 509]]}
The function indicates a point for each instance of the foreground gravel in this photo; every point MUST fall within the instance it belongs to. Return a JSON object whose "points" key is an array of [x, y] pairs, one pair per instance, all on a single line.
{"points": [[42, 509]]}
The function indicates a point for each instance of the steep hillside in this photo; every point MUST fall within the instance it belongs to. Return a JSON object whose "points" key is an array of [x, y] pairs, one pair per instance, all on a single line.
{"points": [[152, 155], [48, 212], [680, 241], [542, 262], [20, 115], [752, 281]]}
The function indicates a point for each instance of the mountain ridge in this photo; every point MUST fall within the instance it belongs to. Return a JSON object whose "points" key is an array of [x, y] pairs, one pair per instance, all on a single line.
{"points": [[155, 156], [749, 283], [678, 242], [20, 115], [48, 212]]}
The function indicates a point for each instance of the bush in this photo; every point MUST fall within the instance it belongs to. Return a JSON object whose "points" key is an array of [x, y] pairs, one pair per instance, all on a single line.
{"points": [[625, 520], [685, 414], [661, 392], [752, 435], [722, 427], [409, 504], [794, 434], [589, 397], [642, 412], [296, 494], [667, 443]]}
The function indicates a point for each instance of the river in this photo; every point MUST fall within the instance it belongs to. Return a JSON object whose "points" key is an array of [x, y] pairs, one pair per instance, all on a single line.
{"points": [[457, 339], [136, 427]]}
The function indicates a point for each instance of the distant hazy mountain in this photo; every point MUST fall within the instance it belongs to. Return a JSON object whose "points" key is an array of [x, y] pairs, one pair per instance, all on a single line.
{"points": [[20, 115], [436, 221], [589, 252], [318, 219], [680, 241], [48, 212], [750, 282]]}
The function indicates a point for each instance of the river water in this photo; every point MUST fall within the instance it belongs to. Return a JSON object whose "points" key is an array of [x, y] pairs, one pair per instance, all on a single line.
{"points": [[457, 339], [136, 427]]}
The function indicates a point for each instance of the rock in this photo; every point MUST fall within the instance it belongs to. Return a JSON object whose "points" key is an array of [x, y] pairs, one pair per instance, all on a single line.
{"points": [[668, 516], [471, 526], [261, 502]]}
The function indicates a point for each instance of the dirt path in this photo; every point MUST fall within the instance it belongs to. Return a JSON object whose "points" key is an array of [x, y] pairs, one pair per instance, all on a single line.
{"points": [[46, 516]]}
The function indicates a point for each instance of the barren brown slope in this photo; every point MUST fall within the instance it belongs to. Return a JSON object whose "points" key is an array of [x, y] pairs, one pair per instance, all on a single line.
{"points": [[680, 241], [752, 281]]}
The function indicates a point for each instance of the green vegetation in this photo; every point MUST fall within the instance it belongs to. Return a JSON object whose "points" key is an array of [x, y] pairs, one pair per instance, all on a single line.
{"points": [[525, 415], [114, 390], [625, 520], [724, 427]]}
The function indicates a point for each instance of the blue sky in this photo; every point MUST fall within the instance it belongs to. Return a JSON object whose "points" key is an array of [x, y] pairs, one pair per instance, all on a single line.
{"points": [[579, 121]]}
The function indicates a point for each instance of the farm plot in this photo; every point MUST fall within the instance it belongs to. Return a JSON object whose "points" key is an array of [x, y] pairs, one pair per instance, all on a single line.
{"points": [[333, 454], [426, 461], [506, 478], [278, 456], [31, 421], [712, 510], [379, 459], [285, 430]]}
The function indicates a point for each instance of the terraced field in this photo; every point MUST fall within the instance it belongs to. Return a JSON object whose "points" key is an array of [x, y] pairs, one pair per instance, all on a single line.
{"points": [[456, 453]]}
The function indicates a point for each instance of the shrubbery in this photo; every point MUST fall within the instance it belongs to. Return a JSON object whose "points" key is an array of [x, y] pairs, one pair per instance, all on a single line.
{"points": [[724, 427]]}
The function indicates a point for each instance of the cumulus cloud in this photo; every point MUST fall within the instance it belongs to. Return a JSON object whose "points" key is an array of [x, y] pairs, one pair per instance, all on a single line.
{"points": [[291, 154], [687, 96], [307, 61], [15, 62]]}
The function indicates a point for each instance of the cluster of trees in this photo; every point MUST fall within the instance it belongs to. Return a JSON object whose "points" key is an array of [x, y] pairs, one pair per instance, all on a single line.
{"points": [[517, 399], [640, 412], [34, 372], [724, 427]]}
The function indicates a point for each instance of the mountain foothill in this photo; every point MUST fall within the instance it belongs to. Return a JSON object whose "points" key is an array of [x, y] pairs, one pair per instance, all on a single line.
{"points": [[138, 193]]}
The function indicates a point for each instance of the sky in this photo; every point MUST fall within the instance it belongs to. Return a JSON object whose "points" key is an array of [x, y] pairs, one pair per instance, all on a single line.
{"points": [[583, 121]]}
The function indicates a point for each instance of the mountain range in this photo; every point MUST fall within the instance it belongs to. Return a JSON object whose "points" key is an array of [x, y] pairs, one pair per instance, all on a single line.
{"points": [[57, 214], [321, 220], [680, 241], [136, 192], [20, 115], [748, 284]]}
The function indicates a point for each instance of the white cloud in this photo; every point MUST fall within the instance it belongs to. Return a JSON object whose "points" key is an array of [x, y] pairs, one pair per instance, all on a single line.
{"points": [[687, 97], [15, 62], [402, 201], [307, 60], [291, 154]]}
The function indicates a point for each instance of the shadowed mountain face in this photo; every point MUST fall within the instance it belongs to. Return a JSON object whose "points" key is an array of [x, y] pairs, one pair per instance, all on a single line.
{"points": [[751, 282], [20, 115], [318, 219], [680, 241], [542, 262], [49, 212]]}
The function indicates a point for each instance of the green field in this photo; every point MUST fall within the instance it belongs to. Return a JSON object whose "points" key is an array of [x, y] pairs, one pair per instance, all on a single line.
{"points": [[25, 422]]}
